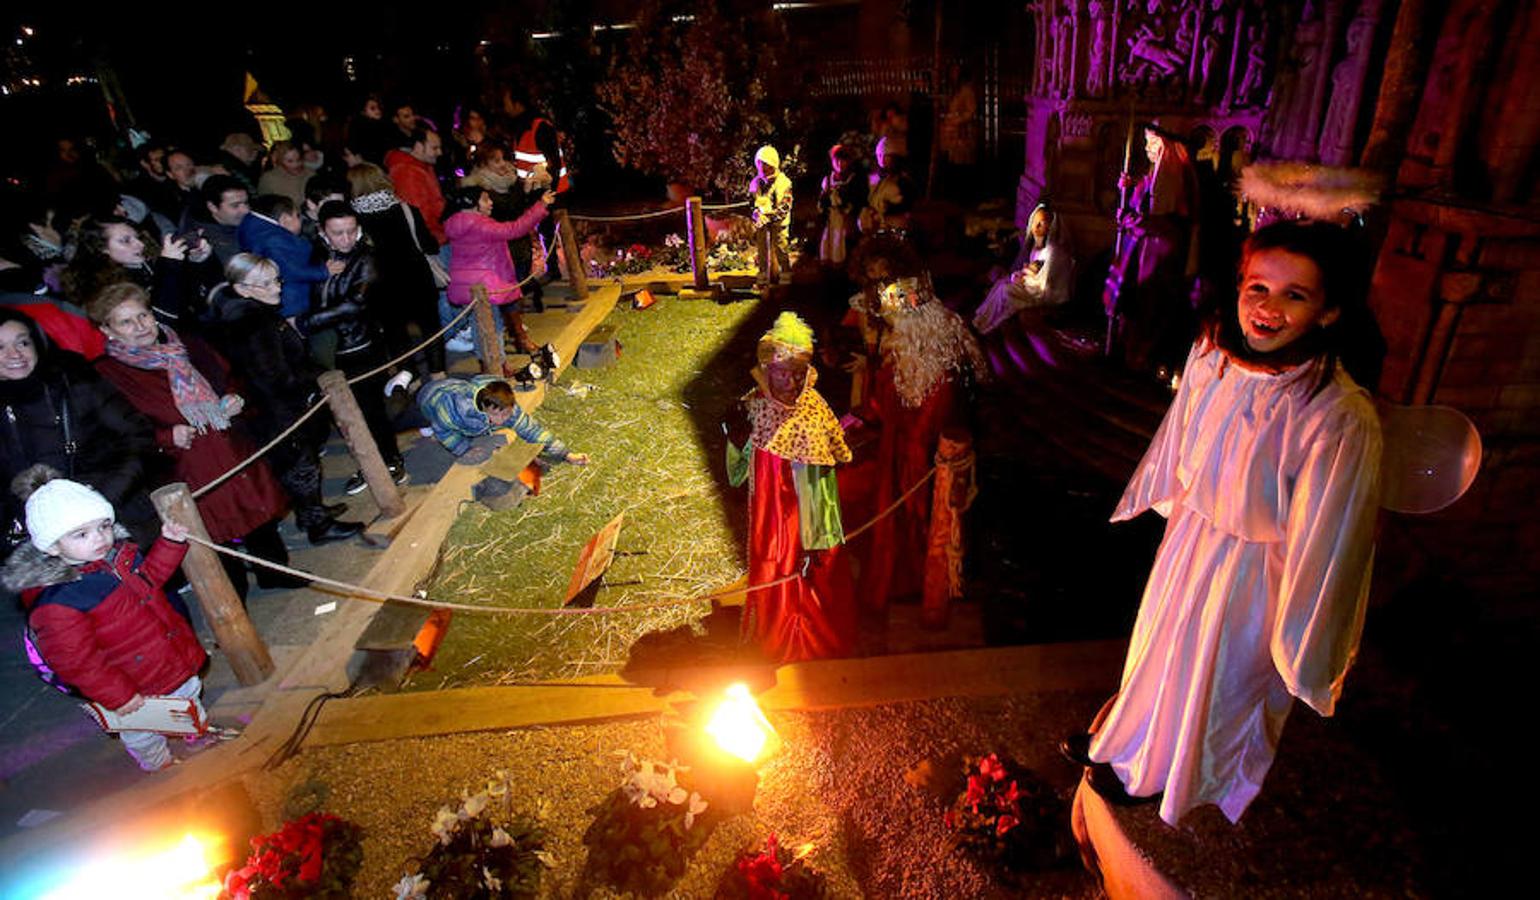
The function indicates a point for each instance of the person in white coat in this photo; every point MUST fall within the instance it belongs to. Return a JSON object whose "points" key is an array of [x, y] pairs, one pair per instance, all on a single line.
{"points": [[1267, 466]]}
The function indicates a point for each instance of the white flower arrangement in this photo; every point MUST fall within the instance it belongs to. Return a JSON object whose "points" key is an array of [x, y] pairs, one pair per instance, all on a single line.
{"points": [[508, 850], [412, 887], [650, 782]]}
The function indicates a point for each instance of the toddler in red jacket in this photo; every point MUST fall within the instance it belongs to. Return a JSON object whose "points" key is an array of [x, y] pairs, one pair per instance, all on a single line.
{"points": [[97, 606]]}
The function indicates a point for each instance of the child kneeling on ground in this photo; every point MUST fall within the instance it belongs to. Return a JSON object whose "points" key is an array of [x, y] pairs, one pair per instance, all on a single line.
{"points": [[97, 606], [463, 410]]}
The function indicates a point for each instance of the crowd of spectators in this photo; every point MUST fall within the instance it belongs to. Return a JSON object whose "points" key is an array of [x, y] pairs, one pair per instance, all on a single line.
{"points": [[165, 311]]}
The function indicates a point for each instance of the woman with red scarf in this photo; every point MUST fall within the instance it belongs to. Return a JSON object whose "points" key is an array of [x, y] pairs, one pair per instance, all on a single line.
{"points": [[183, 389]]}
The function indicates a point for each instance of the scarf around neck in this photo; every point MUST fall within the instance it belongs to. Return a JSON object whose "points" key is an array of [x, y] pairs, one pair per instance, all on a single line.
{"points": [[376, 201], [190, 391]]}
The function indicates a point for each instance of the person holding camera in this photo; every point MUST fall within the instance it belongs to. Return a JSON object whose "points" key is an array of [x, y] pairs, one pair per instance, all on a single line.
{"points": [[111, 249]]}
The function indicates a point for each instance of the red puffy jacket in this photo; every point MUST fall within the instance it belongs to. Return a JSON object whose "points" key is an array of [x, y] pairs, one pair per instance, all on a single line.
{"points": [[110, 633], [416, 183]]}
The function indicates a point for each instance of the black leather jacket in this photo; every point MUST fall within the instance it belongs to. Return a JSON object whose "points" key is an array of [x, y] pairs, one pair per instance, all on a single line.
{"points": [[66, 416], [343, 301]]}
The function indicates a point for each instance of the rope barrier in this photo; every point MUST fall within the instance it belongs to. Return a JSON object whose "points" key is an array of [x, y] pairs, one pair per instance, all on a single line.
{"points": [[634, 217], [415, 350], [319, 404], [367, 593], [892, 506], [378, 596], [304, 417], [469, 307]]}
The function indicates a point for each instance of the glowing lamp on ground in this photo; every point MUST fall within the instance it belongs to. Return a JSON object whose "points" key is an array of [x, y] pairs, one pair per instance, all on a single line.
{"points": [[739, 727], [182, 871]]}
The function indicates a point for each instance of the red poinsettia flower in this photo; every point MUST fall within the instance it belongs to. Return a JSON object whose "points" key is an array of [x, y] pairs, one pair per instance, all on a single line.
{"points": [[1006, 823], [761, 871], [991, 768], [1011, 793], [975, 792], [270, 866], [310, 863], [236, 884]]}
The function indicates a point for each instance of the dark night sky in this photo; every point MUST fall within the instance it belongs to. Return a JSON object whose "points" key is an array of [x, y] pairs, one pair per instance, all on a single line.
{"points": [[173, 59]]}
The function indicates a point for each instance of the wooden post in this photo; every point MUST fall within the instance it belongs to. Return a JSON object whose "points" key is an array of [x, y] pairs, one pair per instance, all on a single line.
{"points": [[576, 277], [951, 495], [489, 343], [695, 227], [221, 605], [350, 421]]}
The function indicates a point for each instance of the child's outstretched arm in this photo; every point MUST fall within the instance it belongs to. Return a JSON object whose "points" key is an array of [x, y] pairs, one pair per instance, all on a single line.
{"points": [[165, 554], [529, 429]]}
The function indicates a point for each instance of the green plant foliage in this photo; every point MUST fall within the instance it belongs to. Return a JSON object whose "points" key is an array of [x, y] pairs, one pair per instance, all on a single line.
{"points": [[645, 831], [476, 857]]}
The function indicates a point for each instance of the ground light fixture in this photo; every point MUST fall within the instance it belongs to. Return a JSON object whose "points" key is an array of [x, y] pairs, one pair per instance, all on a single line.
{"points": [[180, 871], [740, 728], [722, 739], [525, 377]]}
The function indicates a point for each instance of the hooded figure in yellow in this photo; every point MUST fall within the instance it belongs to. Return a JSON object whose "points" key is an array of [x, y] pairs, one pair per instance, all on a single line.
{"points": [[770, 191]]}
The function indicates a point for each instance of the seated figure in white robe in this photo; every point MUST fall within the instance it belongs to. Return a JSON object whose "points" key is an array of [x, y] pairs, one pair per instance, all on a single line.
{"points": [[1041, 275]]}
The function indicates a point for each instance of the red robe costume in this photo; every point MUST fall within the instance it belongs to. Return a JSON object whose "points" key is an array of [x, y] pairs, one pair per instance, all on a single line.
{"points": [[813, 616], [893, 554], [913, 398]]}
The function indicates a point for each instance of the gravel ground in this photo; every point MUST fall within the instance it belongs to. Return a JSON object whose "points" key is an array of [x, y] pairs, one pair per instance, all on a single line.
{"points": [[837, 783], [1331, 820]]}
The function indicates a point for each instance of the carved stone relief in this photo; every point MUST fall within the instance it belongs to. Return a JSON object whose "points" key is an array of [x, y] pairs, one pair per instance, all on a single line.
{"points": [[1347, 81]]}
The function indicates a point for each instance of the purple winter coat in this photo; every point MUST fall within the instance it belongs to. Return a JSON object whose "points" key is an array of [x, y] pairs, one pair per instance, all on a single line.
{"points": [[480, 254]]}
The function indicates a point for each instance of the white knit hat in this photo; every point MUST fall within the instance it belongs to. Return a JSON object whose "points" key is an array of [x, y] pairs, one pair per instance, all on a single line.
{"points": [[59, 507]]}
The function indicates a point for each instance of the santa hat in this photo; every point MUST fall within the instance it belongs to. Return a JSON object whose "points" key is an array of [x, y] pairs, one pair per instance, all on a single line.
{"points": [[59, 506]]}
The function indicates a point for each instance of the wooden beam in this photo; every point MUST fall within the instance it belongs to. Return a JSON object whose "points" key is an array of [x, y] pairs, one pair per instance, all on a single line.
{"points": [[360, 441], [819, 684]]}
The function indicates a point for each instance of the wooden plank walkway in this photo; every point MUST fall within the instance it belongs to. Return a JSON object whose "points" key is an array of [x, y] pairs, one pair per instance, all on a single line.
{"points": [[821, 684]]}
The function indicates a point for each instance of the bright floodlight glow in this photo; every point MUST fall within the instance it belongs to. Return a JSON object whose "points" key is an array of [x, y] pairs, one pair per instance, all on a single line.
{"points": [[738, 726], [180, 872]]}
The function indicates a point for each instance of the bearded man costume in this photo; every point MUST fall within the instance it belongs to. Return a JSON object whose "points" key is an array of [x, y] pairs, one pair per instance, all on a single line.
{"points": [[926, 351], [794, 511]]}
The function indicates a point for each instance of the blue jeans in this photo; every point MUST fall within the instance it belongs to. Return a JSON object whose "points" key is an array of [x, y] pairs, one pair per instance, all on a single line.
{"points": [[447, 310]]}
